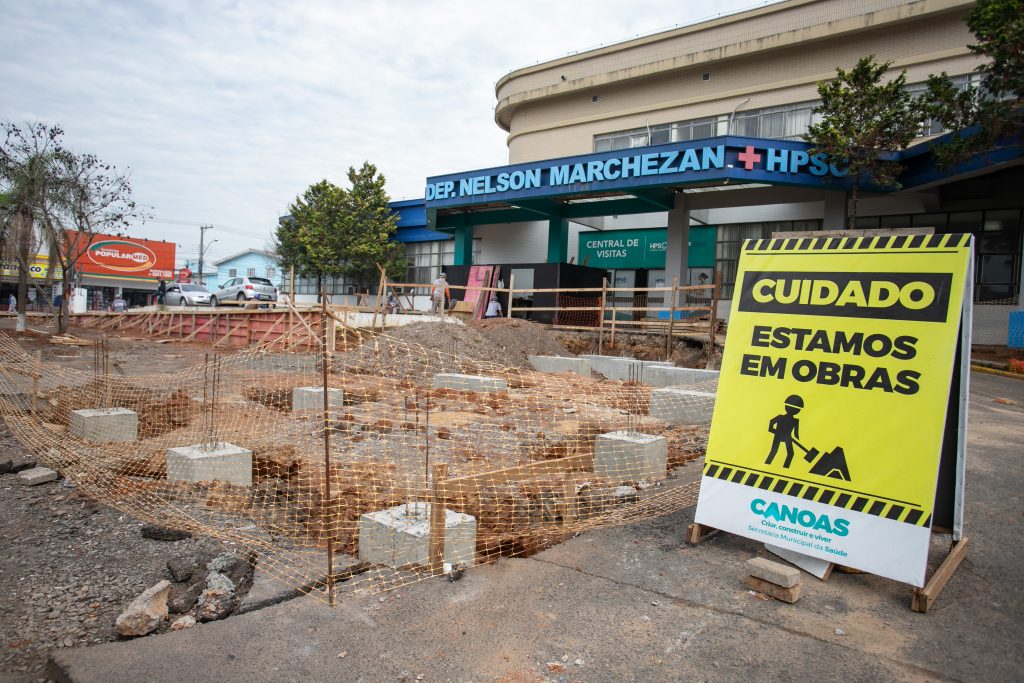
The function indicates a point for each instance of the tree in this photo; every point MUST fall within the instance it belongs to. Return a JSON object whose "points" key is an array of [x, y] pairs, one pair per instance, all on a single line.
{"points": [[27, 177], [367, 226], [308, 239], [89, 198], [864, 122], [332, 231], [981, 117]]}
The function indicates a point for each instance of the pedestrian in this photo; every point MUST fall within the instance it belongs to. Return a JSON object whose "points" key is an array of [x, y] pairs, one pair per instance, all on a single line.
{"points": [[161, 291], [439, 295], [392, 304], [12, 303], [493, 308], [119, 305]]}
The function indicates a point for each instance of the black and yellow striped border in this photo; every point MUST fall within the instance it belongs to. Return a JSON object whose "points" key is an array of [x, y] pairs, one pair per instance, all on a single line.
{"points": [[859, 244], [897, 511]]}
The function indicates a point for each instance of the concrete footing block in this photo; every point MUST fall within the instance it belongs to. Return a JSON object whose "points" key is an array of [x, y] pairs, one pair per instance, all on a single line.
{"points": [[668, 375], [312, 398], [581, 366], [104, 425], [682, 406], [210, 462], [775, 572], [469, 382], [36, 475], [630, 456], [619, 368], [400, 536]]}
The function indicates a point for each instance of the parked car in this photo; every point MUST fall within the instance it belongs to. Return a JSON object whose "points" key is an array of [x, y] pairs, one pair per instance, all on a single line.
{"points": [[186, 294], [241, 290]]}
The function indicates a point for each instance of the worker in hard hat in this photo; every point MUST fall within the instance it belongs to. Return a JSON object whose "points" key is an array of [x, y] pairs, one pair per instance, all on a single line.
{"points": [[439, 294], [493, 308], [785, 428]]}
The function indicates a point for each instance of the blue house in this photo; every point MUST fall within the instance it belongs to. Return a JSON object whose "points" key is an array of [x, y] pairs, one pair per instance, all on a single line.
{"points": [[248, 263]]}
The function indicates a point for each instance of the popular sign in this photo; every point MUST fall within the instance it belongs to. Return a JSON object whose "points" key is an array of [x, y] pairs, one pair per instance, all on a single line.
{"points": [[624, 248], [127, 257], [833, 397]]}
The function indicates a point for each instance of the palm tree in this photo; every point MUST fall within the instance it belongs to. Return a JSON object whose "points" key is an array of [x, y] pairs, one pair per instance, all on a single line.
{"points": [[26, 160]]}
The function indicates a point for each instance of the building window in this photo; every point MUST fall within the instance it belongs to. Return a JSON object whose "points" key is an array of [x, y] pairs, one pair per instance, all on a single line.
{"points": [[997, 246], [931, 126], [730, 242], [232, 272], [426, 259], [787, 122], [251, 272], [271, 272], [784, 122]]}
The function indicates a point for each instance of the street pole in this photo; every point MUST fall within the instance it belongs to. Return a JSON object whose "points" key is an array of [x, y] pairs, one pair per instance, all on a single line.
{"points": [[202, 237]]}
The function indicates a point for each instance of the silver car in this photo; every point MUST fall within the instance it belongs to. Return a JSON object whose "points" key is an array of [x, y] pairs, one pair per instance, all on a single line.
{"points": [[186, 294], [241, 290]]}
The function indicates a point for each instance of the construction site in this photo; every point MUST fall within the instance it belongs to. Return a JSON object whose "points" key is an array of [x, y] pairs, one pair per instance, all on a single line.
{"points": [[335, 461], [324, 452]]}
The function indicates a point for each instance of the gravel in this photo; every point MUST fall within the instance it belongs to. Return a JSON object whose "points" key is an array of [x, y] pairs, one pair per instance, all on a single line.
{"points": [[68, 567]]}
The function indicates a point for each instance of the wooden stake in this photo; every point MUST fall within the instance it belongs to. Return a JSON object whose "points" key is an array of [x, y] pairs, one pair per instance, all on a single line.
{"points": [[227, 335], [695, 533], [328, 503], [600, 321], [569, 501], [291, 302], [437, 510], [714, 317], [273, 327], [615, 317], [671, 317], [376, 300], [511, 293], [924, 597], [35, 380], [197, 330]]}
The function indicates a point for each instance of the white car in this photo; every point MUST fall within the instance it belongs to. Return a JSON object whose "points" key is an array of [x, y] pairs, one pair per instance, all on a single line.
{"points": [[186, 294], [241, 290]]}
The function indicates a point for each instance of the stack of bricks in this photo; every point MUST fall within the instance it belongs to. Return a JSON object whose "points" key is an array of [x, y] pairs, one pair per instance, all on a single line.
{"points": [[779, 581]]}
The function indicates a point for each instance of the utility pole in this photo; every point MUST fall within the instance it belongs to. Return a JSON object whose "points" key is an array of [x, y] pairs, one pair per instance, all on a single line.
{"points": [[202, 239]]}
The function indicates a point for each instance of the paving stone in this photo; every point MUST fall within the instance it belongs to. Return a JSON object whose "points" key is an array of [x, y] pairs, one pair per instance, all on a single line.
{"points": [[36, 475], [770, 589], [775, 572]]}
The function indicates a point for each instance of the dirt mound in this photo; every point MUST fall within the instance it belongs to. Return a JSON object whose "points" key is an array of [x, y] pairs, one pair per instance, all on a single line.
{"points": [[502, 342], [516, 339]]}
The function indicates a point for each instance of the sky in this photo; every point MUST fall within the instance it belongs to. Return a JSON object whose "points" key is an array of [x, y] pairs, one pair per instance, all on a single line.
{"points": [[224, 112]]}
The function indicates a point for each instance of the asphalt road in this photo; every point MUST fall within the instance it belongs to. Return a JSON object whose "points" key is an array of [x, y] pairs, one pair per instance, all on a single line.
{"points": [[637, 604]]}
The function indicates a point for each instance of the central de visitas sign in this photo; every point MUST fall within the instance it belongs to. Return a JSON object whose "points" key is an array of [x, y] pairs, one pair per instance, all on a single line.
{"points": [[624, 248], [741, 159]]}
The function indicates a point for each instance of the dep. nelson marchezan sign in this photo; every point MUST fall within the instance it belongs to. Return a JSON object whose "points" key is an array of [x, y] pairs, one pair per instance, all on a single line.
{"points": [[747, 159]]}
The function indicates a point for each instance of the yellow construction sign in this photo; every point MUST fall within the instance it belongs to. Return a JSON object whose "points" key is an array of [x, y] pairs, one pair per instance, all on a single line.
{"points": [[833, 396]]}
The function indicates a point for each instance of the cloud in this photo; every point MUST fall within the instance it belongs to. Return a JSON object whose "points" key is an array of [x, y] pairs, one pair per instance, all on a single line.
{"points": [[225, 111]]}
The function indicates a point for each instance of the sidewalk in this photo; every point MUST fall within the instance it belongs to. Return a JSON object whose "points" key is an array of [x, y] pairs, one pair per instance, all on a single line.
{"points": [[637, 604]]}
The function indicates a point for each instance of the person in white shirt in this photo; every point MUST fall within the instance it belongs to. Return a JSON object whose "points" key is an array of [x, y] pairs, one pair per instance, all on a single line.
{"points": [[493, 308], [439, 294]]}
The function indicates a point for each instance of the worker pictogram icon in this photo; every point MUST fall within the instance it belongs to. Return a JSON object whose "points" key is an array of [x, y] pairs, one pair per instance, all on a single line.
{"points": [[785, 431]]}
